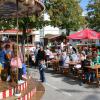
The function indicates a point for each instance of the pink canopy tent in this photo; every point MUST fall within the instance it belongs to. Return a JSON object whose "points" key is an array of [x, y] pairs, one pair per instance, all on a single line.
{"points": [[85, 34]]}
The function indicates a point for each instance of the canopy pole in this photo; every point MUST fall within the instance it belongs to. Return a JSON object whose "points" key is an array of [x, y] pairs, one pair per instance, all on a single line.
{"points": [[27, 38], [17, 35]]}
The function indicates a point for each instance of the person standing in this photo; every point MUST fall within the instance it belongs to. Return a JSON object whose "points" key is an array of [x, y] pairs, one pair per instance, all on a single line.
{"points": [[35, 53], [16, 63], [42, 67], [41, 55]]}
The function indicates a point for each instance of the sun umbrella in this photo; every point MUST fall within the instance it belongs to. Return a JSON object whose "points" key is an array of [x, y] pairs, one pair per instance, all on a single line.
{"points": [[85, 34]]}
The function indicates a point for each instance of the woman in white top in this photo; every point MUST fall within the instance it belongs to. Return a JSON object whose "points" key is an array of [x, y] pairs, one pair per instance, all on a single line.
{"points": [[49, 54], [65, 60], [76, 59]]}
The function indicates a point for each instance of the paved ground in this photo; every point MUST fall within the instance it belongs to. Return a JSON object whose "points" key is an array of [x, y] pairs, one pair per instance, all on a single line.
{"points": [[59, 87]]}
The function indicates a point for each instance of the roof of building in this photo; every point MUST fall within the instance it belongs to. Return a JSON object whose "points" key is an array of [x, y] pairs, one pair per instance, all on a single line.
{"points": [[51, 36]]}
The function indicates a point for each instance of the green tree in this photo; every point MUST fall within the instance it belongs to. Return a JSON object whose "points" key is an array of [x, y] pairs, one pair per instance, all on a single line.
{"points": [[26, 22], [94, 14], [65, 14]]}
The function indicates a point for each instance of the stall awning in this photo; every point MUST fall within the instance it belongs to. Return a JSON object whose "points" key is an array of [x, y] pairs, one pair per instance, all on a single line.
{"points": [[51, 36], [13, 32], [85, 34]]}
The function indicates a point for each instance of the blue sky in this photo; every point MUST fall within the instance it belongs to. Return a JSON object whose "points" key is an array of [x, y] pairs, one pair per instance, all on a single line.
{"points": [[84, 3]]}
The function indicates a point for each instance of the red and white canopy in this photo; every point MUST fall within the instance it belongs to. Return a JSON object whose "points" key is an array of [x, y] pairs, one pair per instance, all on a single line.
{"points": [[85, 34]]}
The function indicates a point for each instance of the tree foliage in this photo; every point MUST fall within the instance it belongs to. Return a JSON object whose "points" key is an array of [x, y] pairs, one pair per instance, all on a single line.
{"points": [[65, 14], [94, 14], [27, 22]]}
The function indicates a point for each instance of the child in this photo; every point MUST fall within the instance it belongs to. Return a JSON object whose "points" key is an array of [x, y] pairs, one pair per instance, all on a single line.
{"points": [[15, 64], [42, 67]]}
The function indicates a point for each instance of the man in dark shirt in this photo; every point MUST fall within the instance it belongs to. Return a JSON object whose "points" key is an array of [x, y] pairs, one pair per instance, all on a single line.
{"points": [[41, 55]]}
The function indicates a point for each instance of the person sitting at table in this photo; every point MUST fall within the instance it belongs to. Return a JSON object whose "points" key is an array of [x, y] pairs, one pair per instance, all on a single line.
{"points": [[74, 57], [98, 57], [64, 61], [51, 56], [94, 59], [90, 75], [47, 51], [94, 62], [77, 65], [82, 58]]}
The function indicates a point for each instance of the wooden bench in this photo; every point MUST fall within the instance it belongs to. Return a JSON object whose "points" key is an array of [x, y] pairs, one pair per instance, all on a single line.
{"points": [[65, 70], [96, 69]]}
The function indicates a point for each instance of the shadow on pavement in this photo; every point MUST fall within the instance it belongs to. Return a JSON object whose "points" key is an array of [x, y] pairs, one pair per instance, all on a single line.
{"points": [[91, 97], [71, 90], [66, 79], [79, 91], [69, 79], [50, 71]]}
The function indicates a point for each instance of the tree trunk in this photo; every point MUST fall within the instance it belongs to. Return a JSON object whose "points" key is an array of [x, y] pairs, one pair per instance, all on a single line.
{"points": [[67, 32], [23, 42]]}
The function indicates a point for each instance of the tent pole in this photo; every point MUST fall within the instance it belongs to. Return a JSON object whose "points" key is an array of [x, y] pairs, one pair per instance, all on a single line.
{"points": [[27, 39], [17, 34]]}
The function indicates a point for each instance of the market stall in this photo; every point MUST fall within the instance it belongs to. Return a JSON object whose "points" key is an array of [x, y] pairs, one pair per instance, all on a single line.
{"points": [[85, 34]]}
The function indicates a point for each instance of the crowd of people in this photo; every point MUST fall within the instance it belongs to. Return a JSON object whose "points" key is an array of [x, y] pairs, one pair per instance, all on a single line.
{"points": [[66, 53], [11, 59]]}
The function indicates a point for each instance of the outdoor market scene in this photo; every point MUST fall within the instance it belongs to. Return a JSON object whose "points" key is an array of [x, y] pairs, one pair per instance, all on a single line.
{"points": [[49, 49]]}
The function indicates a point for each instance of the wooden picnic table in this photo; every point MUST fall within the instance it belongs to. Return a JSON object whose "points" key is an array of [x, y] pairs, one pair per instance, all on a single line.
{"points": [[96, 69], [55, 63], [74, 63], [93, 67]]}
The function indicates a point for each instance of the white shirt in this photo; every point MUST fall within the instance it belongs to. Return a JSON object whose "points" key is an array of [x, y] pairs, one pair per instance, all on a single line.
{"points": [[48, 52], [62, 45], [51, 55], [66, 61], [75, 57]]}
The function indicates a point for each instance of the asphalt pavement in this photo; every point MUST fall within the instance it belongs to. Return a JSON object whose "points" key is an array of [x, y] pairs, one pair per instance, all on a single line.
{"points": [[59, 87]]}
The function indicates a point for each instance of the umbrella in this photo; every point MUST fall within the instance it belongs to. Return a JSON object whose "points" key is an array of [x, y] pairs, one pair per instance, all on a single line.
{"points": [[85, 34]]}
